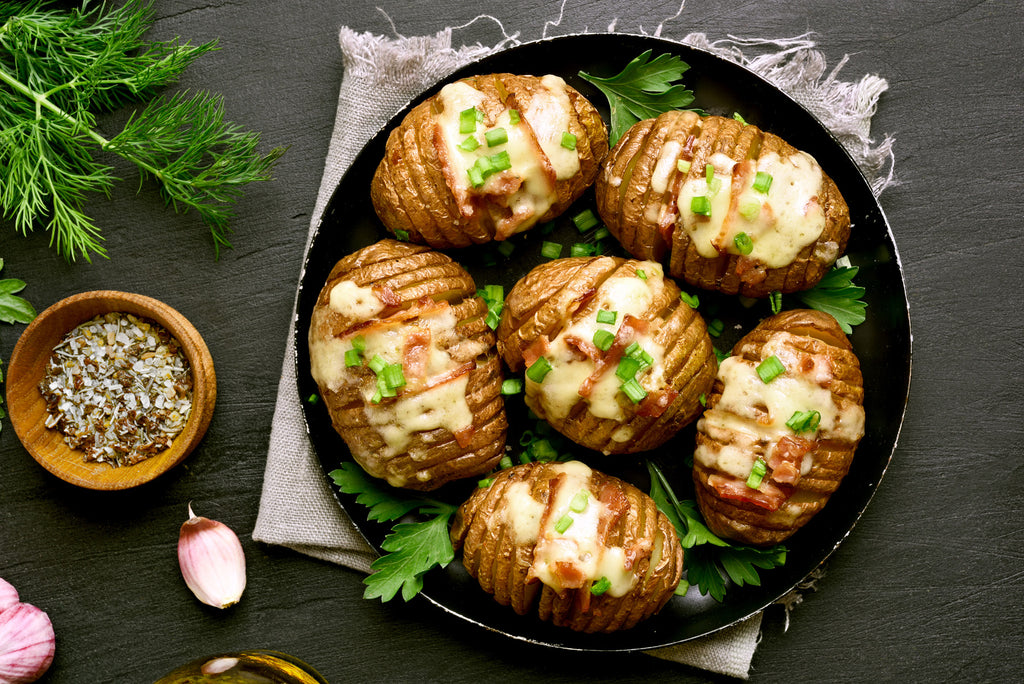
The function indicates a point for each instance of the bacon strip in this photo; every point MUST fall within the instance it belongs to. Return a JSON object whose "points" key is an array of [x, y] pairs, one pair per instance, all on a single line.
{"points": [[655, 403], [415, 354], [421, 308], [786, 457], [631, 328], [767, 496], [538, 348]]}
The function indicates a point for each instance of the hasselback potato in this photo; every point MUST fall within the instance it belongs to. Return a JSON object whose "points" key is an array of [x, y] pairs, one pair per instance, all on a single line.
{"points": [[585, 550], [732, 208], [626, 359], [488, 157], [406, 366], [781, 427]]}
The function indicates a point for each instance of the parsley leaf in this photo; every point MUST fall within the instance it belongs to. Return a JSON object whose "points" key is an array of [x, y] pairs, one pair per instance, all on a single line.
{"points": [[643, 90], [837, 295], [709, 560], [412, 548], [14, 309]]}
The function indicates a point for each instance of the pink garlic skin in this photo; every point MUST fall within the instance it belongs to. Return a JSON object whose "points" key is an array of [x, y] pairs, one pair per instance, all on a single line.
{"points": [[212, 561], [26, 644], [8, 595]]}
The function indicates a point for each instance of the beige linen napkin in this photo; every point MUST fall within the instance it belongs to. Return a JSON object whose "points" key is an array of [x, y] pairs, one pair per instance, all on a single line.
{"points": [[297, 508]]}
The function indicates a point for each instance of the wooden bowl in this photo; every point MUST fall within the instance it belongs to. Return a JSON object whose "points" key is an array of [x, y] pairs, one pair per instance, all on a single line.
{"points": [[27, 408]]}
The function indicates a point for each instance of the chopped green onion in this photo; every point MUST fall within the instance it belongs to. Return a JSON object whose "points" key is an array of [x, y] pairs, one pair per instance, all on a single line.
{"points": [[383, 389], [393, 376], [494, 293], [585, 220], [539, 369], [513, 116], [476, 176], [505, 463], [579, 501], [601, 586], [500, 161], [641, 274], [581, 249], [506, 248], [714, 185], [804, 421], [568, 140], [776, 301], [716, 327], [693, 301], [512, 386], [770, 368], [550, 250], [603, 340], [632, 389], [757, 473], [467, 120], [493, 319], [709, 173], [353, 358], [750, 209], [485, 483], [627, 369], [377, 396], [602, 233], [701, 205], [547, 228], [763, 182], [736, 115], [633, 350], [469, 144], [682, 166], [377, 363], [645, 359], [743, 243], [721, 355], [526, 437], [496, 136], [703, 399], [543, 451], [605, 316], [563, 524], [359, 343], [402, 235], [313, 398]]}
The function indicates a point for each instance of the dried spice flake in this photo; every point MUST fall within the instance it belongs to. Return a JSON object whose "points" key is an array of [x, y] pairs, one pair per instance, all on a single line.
{"points": [[119, 387]]}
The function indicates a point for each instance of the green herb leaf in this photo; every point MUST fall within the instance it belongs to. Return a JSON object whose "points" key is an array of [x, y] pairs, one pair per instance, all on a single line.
{"points": [[837, 295], [14, 309], [413, 549], [709, 560], [385, 503], [643, 90], [60, 68]]}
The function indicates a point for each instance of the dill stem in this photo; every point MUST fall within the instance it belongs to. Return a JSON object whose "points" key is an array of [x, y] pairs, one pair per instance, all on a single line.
{"points": [[42, 101]]}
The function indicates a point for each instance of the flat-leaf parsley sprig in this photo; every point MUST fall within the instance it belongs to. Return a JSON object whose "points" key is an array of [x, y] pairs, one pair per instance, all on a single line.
{"points": [[644, 89], [412, 548], [59, 69], [708, 559]]}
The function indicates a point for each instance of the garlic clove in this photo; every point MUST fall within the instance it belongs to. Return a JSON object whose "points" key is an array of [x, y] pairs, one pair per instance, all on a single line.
{"points": [[26, 644], [211, 560], [8, 595]]}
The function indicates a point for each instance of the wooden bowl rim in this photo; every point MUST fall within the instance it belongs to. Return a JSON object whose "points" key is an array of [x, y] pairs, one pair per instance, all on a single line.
{"points": [[26, 406]]}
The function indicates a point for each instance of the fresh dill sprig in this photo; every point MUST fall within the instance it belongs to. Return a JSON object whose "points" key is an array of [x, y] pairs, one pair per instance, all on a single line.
{"points": [[58, 70]]}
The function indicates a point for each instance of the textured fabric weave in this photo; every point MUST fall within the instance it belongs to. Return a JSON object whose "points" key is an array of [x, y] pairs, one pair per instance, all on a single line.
{"points": [[297, 508]]}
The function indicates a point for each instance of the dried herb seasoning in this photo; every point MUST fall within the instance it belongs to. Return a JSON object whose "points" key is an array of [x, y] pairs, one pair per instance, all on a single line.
{"points": [[119, 388]]}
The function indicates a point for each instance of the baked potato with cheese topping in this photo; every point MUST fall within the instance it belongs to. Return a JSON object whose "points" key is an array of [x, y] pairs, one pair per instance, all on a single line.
{"points": [[782, 424], [585, 550], [614, 359], [488, 157], [728, 206], [407, 366]]}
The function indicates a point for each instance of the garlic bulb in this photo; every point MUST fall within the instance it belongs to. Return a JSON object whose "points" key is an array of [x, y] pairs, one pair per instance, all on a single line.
{"points": [[26, 639], [211, 560]]}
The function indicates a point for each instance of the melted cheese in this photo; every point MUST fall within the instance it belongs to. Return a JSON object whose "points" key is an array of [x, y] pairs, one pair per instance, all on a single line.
{"points": [[559, 391], [578, 546], [750, 418], [549, 114], [355, 302], [790, 217]]}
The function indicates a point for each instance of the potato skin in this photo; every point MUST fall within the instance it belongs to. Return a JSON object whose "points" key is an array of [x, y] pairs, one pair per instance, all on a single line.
{"points": [[554, 295], [409, 189], [491, 554], [647, 222], [813, 337], [414, 276]]}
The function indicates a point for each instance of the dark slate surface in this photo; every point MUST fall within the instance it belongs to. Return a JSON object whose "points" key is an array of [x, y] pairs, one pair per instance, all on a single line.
{"points": [[926, 588]]}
